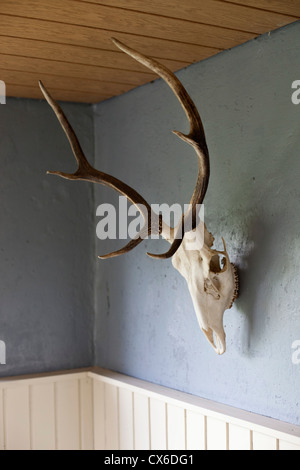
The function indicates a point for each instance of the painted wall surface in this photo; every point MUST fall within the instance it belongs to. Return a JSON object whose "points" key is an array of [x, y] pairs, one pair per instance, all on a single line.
{"points": [[145, 324], [46, 249]]}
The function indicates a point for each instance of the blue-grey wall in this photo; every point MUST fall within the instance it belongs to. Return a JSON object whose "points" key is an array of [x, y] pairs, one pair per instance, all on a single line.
{"points": [[46, 242], [145, 324]]}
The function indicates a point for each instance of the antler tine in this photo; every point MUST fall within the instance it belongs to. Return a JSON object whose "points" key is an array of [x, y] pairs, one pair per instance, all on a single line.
{"points": [[134, 242], [196, 138], [74, 142], [86, 172]]}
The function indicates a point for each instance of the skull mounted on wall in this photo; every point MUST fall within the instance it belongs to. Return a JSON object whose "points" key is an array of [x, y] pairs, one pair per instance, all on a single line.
{"points": [[212, 280]]}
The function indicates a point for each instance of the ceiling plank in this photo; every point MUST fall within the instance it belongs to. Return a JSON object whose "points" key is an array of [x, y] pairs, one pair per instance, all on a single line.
{"points": [[17, 91], [86, 72], [231, 15], [64, 83], [15, 26], [76, 54], [288, 7], [98, 16]]}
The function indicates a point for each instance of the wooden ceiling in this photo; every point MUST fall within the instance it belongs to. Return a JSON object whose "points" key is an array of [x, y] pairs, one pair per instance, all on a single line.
{"points": [[66, 43]]}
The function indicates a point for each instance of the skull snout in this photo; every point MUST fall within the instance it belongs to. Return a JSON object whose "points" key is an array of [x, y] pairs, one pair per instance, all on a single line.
{"points": [[217, 340], [210, 313]]}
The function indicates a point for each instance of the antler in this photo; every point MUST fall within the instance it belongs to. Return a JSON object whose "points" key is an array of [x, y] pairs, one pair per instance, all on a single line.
{"points": [[196, 138], [87, 173]]}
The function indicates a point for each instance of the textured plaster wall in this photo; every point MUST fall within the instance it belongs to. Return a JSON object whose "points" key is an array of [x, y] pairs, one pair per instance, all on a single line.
{"points": [[145, 324], [46, 242]]}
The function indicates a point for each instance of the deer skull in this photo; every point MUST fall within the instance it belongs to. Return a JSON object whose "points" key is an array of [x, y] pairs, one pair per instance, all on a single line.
{"points": [[212, 282], [213, 286]]}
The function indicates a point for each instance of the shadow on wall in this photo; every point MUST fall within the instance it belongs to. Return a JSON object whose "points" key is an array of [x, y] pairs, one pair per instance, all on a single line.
{"points": [[255, 282]]}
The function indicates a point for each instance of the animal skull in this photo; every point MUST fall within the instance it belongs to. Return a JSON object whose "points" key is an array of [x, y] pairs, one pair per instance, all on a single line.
{"points": [[213, 287]]}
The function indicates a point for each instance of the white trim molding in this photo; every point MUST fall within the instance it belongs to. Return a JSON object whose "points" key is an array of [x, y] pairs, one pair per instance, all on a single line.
{"points": [[97, 409]]}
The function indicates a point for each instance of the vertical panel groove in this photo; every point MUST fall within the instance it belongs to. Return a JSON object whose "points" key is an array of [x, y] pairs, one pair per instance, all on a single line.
{"points": [[227, 436], [133, 424], [4, 419], [185, 428], [55, 414], [105, 420], [149, 422], [93, 412], [205, 432], [118, 417], [30, 416], [167, 427], [251, 440], [79, 415]]}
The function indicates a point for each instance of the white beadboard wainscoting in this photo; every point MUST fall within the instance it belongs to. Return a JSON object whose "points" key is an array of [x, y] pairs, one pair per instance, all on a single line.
{"points": [[96, 409]]}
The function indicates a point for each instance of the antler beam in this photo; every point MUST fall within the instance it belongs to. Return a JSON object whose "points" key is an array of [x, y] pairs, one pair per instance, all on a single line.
{"points": [[86, 172], [196, 138]]}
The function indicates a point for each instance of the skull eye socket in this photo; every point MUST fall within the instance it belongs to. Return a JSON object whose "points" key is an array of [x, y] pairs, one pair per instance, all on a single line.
{"points": [[218, 264]]}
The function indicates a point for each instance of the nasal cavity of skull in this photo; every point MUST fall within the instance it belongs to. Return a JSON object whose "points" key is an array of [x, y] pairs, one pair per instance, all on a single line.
{"points": [[218, 264]]}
